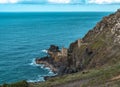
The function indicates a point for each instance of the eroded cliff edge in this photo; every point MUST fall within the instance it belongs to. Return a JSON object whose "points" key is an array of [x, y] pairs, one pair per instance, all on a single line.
{"points": [[98, 53], [95, 58], [99, 47]]}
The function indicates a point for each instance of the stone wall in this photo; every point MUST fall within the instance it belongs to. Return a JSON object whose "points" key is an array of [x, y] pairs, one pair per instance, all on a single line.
{"points": [[79, 42], [64, 51]]}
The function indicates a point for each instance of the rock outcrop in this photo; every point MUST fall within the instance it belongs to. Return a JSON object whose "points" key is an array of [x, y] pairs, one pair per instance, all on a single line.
{"points": [[100, 47], [56, 59], [103, 45]]}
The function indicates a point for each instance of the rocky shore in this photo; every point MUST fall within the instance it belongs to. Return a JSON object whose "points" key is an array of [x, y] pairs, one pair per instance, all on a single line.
{"points": [[58, 60], [47, 61], [55, 60], [96, 58], [98, 48]]}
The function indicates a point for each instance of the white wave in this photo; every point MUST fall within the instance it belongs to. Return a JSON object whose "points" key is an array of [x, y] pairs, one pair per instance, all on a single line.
{"points": [[33, 63], [39, 79], [32, 81], [51, 73], [45, 51], [42, 65], [47, 68]]}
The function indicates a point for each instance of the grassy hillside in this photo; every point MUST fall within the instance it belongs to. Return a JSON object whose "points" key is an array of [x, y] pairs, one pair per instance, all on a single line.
{"points": [[17, 84], [97, 64], [103, 77], [103, 45]]}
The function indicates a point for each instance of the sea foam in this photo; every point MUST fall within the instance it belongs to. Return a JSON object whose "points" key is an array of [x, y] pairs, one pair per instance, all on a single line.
{"points": [[45, 51], [39, 79], [33, 63]]}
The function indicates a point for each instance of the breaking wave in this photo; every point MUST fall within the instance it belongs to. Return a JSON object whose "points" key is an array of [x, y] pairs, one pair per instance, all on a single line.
{"points": [[45, 51], [40, 78]]}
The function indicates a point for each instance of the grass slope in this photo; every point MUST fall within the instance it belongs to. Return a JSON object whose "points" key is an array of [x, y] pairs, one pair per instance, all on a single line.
{"points": [[90, 78]]}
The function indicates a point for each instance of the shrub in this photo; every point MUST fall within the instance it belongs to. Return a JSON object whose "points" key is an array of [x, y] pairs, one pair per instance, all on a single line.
{"points": [[17, 84]]}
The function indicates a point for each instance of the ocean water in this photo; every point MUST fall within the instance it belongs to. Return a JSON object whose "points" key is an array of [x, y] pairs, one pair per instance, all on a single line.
{"points": [[26, 36]]}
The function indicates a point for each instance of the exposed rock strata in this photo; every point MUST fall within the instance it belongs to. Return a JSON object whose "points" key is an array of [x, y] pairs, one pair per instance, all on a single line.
{"points": [[103, 45], [56, 59], [99, 47]]}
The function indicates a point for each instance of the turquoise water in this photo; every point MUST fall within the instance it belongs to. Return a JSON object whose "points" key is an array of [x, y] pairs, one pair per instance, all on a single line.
{"points": [[25, 36]]}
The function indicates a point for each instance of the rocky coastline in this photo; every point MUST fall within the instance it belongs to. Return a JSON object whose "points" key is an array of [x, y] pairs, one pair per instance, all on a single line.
{"points": [[98, 53], [58, 60], [46, 61], [55, 60], [97, 48]]}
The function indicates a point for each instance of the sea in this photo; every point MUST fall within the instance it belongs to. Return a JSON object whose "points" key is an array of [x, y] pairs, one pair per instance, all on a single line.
{"points": [[25, 36]]}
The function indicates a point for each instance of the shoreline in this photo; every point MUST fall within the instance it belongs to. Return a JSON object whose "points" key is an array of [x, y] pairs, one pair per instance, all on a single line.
{"points": [[89, 58], [56, 60], [46, 64]]}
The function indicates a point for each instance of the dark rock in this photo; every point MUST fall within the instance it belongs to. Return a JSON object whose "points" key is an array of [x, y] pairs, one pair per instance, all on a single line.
{"points": [[101, 41], [89, 51], [54, 48], [102, 46], [62, 70]]}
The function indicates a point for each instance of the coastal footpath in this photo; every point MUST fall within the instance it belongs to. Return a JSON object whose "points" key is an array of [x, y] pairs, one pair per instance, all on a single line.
{"points": [[92, 61]]}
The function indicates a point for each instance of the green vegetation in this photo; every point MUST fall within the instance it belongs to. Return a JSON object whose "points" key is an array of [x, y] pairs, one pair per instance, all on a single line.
{"points": [[97, 44], [17, 84], [91, 77], [99, 59]]}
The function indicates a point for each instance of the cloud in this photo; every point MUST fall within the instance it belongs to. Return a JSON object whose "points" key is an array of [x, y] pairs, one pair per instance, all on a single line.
{"points": [[35, 1], [59, 1], [103, 1], [9, 1]]}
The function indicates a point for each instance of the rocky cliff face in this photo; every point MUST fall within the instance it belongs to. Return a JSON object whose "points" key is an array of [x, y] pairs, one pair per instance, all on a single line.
{"points": [[103, 45], [100, 47]]}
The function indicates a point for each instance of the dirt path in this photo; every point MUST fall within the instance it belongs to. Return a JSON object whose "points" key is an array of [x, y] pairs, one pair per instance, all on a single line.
{"points": [[115, 78]]}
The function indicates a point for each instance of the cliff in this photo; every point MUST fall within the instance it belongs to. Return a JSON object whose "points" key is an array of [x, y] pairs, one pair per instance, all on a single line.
{"points": [[56, 59], [102, 45], [93, 61]]}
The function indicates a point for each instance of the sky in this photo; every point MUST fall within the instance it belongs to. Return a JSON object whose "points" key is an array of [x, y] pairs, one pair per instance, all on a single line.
{"points": [[58, 5]]}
